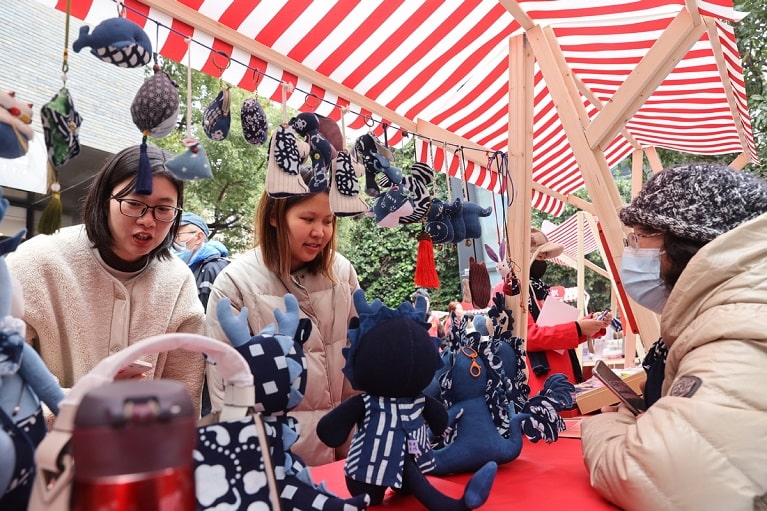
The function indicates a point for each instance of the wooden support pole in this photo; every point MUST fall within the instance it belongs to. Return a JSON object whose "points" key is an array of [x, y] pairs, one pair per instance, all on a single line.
{"points": [[521, 87]]}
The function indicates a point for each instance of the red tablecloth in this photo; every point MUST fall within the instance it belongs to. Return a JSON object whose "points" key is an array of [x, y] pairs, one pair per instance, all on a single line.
{"points": [[544, 477]]}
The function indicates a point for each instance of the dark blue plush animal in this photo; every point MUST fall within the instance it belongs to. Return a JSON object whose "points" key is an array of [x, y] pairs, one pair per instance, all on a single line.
{"points": [[391, 359], [483, 385], [278, 364], [439, 222], [471, 212], [118, 41], [307, 124]]}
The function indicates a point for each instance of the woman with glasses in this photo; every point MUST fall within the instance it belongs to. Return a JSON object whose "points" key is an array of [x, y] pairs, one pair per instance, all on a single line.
{"points": [[295, 253], [90, 290], [697, 255]]}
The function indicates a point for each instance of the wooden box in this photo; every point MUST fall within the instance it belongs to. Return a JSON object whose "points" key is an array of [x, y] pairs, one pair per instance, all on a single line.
{"points": [[591, 395]]}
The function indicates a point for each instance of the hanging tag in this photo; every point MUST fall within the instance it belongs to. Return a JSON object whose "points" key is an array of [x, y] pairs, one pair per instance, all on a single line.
{"points": [[412, 447]]}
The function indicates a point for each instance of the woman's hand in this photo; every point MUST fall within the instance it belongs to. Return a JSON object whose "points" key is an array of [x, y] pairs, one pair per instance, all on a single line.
{"points": [[590, 326]]}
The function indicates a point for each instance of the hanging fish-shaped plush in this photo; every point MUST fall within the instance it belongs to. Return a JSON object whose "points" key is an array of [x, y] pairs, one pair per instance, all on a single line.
{"points": [[118, 41]]}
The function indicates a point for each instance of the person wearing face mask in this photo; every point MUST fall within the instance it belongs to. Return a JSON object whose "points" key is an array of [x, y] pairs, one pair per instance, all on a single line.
{"points": [[698, 256], [295, 253], [206, 258], [91, 290], [551, 349]]}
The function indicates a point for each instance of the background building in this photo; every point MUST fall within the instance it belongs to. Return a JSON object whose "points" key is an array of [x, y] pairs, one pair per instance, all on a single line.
{"points": [[31, 50]]}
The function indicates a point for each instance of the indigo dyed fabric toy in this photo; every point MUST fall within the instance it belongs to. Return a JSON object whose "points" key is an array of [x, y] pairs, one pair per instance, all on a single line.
{"points": [[483, 385], [217, 117], [278, 364], [391, 359], [25, 382], [154, 111], [118, 41], [287, 153], [307, 125], [375, 157], [61, 128]]}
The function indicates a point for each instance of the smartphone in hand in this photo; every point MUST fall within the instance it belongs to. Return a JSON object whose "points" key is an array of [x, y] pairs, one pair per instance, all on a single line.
{"points": [[620, 388], [133, 370]]}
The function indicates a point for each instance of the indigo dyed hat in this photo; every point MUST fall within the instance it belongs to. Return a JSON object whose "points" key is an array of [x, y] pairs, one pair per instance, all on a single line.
{"points": [[191, 218], [697, 201]]}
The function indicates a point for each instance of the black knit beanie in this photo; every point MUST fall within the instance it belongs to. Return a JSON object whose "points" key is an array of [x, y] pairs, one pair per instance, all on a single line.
{"points": [[697, 201]]}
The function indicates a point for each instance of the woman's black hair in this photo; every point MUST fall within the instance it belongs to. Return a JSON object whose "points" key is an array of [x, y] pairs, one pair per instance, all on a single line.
{"points": [[121, 167], [679, 251]]}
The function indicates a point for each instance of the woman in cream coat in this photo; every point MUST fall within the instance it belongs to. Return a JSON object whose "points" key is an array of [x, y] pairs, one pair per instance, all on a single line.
{"points": [[698, 255]]}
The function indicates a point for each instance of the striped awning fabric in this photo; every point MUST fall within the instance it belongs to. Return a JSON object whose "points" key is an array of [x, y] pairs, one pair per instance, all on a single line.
{"points": [[566, 234], [447, 62]]}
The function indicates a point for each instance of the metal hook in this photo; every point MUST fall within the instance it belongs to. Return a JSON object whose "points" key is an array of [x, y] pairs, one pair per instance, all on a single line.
{"points": [[226, 56], [309, 104]]}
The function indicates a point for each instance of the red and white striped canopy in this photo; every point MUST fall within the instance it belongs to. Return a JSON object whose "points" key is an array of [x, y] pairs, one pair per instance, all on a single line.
{"points": [[566, 234], [447, 63]]}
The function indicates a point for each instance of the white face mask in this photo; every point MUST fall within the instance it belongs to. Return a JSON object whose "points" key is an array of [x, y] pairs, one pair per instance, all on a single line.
{"points": [[640, 273]]}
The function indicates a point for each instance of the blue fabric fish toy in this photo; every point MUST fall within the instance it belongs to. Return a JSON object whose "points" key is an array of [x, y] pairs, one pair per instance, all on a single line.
{"points": [[118, 41]]}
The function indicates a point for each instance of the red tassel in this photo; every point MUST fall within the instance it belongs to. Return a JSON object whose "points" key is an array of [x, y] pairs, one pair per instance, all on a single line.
{"points": [[425, 269]]}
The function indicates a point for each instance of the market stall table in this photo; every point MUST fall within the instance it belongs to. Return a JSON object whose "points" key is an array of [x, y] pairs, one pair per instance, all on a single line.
{"points": [[543, 477]]}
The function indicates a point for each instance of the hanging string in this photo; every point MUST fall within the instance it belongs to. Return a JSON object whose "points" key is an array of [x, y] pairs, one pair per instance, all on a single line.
{"points": [[465, 189], [344, 111], [65, 59], [493, 158], [285, 87], [189, 89], [431, 164]]}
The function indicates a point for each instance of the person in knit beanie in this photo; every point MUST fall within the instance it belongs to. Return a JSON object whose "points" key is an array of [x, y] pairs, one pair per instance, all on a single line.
{"points": [[697, 255]]}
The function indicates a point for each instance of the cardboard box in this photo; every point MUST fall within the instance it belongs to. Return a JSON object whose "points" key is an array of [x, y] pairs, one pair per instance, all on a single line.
{"points": [[591, 395]]}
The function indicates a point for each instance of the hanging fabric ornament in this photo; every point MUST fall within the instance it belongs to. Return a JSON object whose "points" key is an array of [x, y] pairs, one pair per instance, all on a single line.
{"points": [[217, 117], [61, 125], [307, 125], [193, 163], [60, 120], [255, 126], [479, 284], [425, 267], [345, 197], [118, 41], [154, 110]]}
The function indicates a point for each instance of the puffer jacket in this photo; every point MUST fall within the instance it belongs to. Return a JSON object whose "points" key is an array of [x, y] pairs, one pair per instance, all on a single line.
{"points": [[248, 283], [705, 448]]}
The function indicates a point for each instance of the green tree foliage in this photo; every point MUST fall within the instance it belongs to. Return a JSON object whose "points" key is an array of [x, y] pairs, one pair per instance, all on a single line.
{"points": [[752, 46]]}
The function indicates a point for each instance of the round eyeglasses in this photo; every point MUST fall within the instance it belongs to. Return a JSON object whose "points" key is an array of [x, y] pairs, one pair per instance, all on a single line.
{"points": [[137, 209], [632, 239]]}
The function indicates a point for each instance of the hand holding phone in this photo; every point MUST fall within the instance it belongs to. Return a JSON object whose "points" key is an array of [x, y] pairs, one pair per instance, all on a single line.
{"points": [[133, 370], [620, 388], [603, 314]]}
